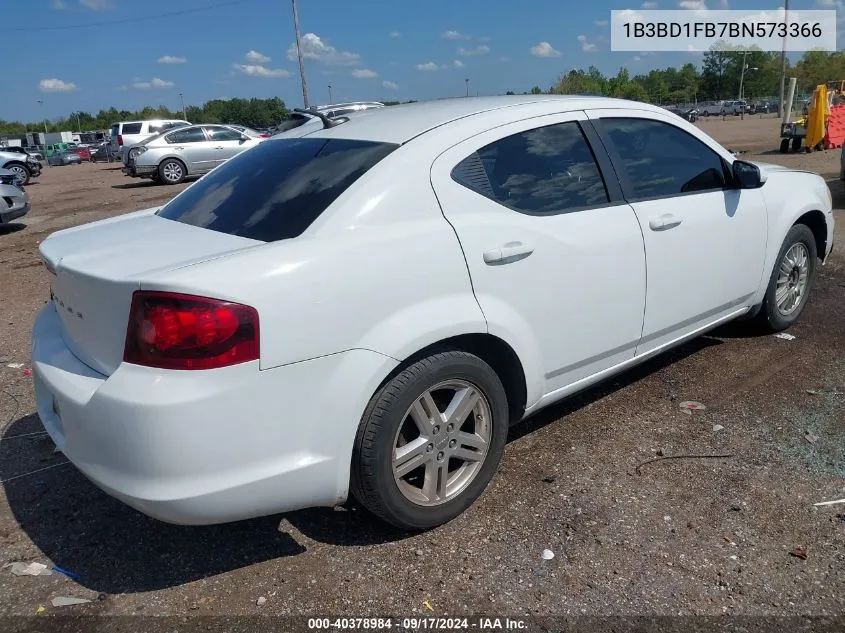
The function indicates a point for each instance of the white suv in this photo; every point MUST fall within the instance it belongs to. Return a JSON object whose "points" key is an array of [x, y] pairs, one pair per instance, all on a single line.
{"points": [[129, 133]]}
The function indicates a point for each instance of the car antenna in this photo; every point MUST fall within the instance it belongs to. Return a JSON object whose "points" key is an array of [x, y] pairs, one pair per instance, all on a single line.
{"points": [[327, 122]]}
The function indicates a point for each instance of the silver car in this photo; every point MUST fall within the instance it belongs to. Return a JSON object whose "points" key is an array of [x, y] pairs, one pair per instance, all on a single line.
{"points": [[14, 201], [172, 156], [306, 121]]}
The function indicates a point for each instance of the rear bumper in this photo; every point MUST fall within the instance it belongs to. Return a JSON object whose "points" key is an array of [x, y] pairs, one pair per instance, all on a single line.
{"points": [[208, 446], [140, 171]]}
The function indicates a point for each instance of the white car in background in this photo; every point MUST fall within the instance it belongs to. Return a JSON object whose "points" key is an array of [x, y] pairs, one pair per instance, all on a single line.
{"points": [[366, 309], [128, 133]]}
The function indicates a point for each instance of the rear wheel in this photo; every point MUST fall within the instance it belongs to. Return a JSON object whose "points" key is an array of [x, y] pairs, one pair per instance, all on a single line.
{"points": [[796, 144], [430, 441], [784, 146], [21, 172], [172, 171], [791, 280]]}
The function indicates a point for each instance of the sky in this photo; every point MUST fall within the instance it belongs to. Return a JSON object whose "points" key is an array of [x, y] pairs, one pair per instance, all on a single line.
{"points": [[367, 49]]}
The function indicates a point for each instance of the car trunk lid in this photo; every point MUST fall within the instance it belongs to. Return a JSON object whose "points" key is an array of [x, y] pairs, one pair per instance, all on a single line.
{"points": [[95, 270]]}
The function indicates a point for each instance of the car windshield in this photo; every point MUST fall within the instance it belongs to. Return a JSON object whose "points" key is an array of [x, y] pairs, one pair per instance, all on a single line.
{"points": [[275, 190]]}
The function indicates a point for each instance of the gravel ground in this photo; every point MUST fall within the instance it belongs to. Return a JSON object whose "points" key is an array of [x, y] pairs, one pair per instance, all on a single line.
{"points": [[685, 537]]}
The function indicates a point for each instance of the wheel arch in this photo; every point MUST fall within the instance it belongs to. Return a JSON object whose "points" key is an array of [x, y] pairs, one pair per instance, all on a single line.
{"points": [[493, 350], [816, 222]]}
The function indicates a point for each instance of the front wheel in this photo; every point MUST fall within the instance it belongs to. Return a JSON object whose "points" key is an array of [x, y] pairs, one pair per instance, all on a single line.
{"points": [[430, 441], [791, 280], [21, 172]]}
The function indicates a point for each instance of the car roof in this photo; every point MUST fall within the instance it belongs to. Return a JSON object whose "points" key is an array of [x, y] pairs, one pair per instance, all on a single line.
{"points": [[400, 123]]}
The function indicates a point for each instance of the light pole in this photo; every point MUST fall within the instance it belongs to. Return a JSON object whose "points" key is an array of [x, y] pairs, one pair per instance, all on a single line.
{"points": [[330, 94], [184, 113], [781, 104], [467, 83], [299, 54], [78, 124], [741, 81], [41, 103]]}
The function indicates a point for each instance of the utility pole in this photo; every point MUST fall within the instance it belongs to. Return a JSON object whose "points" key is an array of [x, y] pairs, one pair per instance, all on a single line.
{"points": [[467, 83], [330, 94], [299, 54], [783, 58], [41, 103], [184, 113], [78, 125]]}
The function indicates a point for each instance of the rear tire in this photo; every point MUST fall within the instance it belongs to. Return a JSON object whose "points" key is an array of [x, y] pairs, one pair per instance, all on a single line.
{"points": [[172, 171], [425, 486], [790, 282], [784, 146]]}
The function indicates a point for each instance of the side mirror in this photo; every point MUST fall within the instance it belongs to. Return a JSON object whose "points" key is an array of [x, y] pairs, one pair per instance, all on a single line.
{"points": [[244, 137], [746, 175]]}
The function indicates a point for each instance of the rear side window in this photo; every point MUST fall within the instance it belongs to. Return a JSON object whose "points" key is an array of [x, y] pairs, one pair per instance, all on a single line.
{"points": [[131, 128], [546, 170], [114, 129], [663, 160], [217, 133], [293, 121], [189, 135], [277, 189]]}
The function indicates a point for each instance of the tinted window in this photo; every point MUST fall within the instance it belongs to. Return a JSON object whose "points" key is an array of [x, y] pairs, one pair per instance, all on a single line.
{"points": [[546, 170], [216, 133], [293, 121], [663, 160], [277, 189], [187, 135], [131, 128]]}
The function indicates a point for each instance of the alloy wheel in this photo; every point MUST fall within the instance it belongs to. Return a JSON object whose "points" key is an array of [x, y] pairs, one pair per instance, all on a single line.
{"points": [[793, 276]]}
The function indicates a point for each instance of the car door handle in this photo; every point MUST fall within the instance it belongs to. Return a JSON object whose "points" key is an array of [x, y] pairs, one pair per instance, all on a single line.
{"points": [[219, 147], [664, 222], [507, 253]]}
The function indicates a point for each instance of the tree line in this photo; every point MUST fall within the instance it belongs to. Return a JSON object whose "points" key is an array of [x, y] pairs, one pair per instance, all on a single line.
{"points": [[718, 78]]}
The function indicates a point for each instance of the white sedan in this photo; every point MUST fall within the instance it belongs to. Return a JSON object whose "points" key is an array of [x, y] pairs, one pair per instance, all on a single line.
{"points": [[367, 308]]}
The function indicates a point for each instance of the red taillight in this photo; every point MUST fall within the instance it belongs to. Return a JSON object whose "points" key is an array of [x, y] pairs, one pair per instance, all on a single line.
{"points": [[265, 135], [120, 139], [177, 331]]}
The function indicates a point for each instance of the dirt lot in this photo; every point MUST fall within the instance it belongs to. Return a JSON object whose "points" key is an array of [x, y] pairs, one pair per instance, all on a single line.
{"points": [[679, 537]]}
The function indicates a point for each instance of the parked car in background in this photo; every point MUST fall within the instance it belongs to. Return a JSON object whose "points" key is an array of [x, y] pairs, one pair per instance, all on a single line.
{"points": [[24, 165], [84, 153], [58, 148], [310, 119], [187, 151], [711, 108], [104, 154], [129, 133], [367, 309], [14, 201], [67, 157]]}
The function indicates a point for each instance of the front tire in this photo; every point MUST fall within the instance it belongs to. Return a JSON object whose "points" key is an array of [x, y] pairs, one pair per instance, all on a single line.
{"points": [[430, 441], [21, 171], [172, 171], [790, 282]]}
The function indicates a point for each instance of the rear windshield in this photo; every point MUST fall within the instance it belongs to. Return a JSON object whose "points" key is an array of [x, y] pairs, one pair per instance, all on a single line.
{"points": [[277, 189], [131, 128], [293, 121]]}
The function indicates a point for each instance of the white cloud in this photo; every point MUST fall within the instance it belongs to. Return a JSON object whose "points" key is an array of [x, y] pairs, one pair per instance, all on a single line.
{"points": [[627, 15], [457, 64], [313, 47], [364, 73], [428, 66], [257, 70], [254, 57], [478, 50], [454, 35], [394, 34], [586, 45], [636, 58], [97, 5], [389, 85], [693, 5], [172, 59], [602, 22], [155, 82], [56, 85], [648, 5], [544, 49], [59, 5]]}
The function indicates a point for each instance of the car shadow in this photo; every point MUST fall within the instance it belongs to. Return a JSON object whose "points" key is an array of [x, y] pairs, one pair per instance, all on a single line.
{"points": [[109, 546], [115, 549], [136, 185], [11, 227]]}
